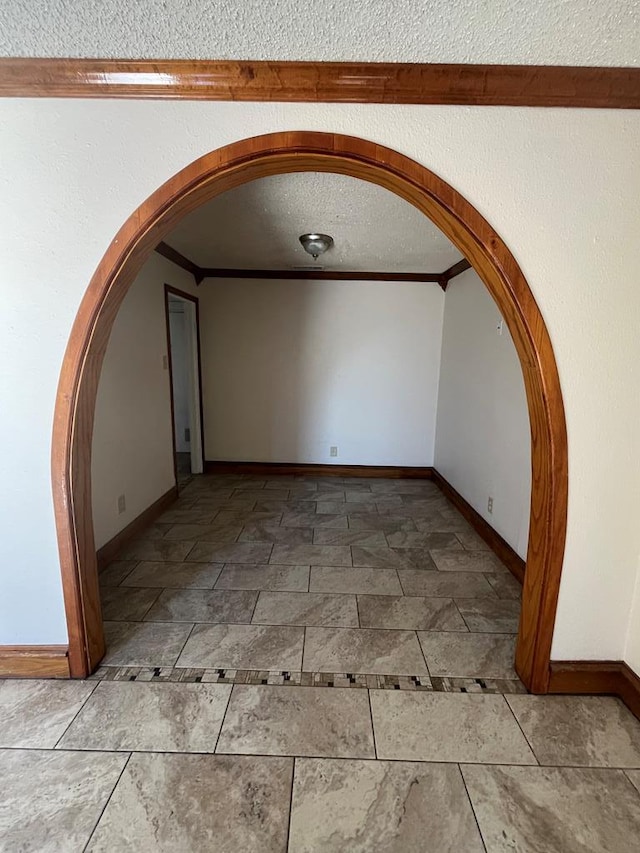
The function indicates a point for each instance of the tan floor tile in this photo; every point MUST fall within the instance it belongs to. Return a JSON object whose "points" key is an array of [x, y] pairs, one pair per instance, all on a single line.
{"points": [[174, 575], [586, 731], [126, 603], [50, 801], [384, 523], [268, 577], [36, 713], [361, 650], [361, 806], [349, 537], [467, 561], [144, 643], [505, 585], [445, 584], [242, 552], [198, 803], [469, 655], [454, 727], [311, 721], [244, 647], [392, 558], [306, 608], [200, 605], [164, 717], [410, 613], [488, 614], [318, 555], [354, 581], [554, 809]]}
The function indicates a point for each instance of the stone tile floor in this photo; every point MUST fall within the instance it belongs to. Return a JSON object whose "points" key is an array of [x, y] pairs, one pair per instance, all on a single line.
{"points": [[213, 725]]}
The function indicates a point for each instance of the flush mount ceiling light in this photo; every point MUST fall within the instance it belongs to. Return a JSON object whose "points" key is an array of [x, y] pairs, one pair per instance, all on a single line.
{"points": [[316, 244]]}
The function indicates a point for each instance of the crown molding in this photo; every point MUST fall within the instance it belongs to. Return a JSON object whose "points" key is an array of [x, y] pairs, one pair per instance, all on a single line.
{"points": [[329, 82]]}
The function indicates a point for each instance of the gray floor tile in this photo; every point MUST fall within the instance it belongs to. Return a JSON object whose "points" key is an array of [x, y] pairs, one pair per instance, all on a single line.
{"points": [[51, 801], [361, 806], [36, 713], [354, 581], [215, 532], [488, 614], [156, 549], [505, 585], [318, 555], [384, 523], [204, 515], [116, 572], [242, 552], [634, 777], [257, 494], [349, 537], [144, 643], [341, 508], [244, 647], [174, 575], [430, 540], [311, 721], [572, 810], [470, 540], [313, 519], [445, 584], [585, 731], [360, 650], [392, 558], [203, 605], [273, 532], [126, 603], [467, 561], [469, 655], [162, 717], [269, 577], [198, 803], [244, 516], [455, 727], [410, 613], [306, 608]]}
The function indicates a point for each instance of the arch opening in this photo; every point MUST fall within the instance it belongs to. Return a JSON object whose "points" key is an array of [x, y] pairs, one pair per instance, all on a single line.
{"points": [[229, 167]]}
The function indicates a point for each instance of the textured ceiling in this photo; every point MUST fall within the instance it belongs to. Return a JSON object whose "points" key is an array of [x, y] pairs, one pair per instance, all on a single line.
{"points": [[258, 224], [562, 32]]}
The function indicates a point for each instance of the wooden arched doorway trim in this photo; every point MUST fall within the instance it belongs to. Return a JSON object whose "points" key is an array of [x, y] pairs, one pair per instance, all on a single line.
{"points": [[222, 170]]}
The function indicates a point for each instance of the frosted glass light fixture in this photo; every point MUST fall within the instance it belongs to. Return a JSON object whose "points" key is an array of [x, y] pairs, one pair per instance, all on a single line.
{"points": [[316, 244]]}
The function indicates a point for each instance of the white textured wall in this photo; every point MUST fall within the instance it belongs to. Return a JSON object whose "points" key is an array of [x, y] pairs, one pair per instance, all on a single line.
{"points": [[132, 452], [561, 187], [483, 444], [291, 368], [571, 32]]}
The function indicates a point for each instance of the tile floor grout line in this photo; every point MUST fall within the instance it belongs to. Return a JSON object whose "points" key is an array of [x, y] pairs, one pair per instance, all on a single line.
{"points": [[600, 768], [527, 741], [75, 716], [373, 728], [293, 779], [255, 605], [108, 800], [224, 717], [186, 641], [473, 811]]}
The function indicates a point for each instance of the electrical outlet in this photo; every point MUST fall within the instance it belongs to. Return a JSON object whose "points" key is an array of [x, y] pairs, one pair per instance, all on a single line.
{"points": [[500, 327], [333, 451], [165, 362], [490, 505], [121, 505], [187, 435]]}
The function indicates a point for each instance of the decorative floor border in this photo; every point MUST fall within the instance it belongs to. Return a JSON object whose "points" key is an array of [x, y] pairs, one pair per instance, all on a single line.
{"points": [[284, 678]]}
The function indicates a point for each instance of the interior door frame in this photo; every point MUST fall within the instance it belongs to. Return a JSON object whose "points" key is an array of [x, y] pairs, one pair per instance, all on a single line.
{"points": [[222, 170], [168, 290]]}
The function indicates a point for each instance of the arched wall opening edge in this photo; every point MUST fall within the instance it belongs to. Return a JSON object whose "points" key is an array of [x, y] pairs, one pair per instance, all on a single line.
{"points": [[202, 180]]}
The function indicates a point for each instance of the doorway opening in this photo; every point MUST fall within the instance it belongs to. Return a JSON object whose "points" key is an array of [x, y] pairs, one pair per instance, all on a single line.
{"points": [[183, 354], [461, 223]]}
